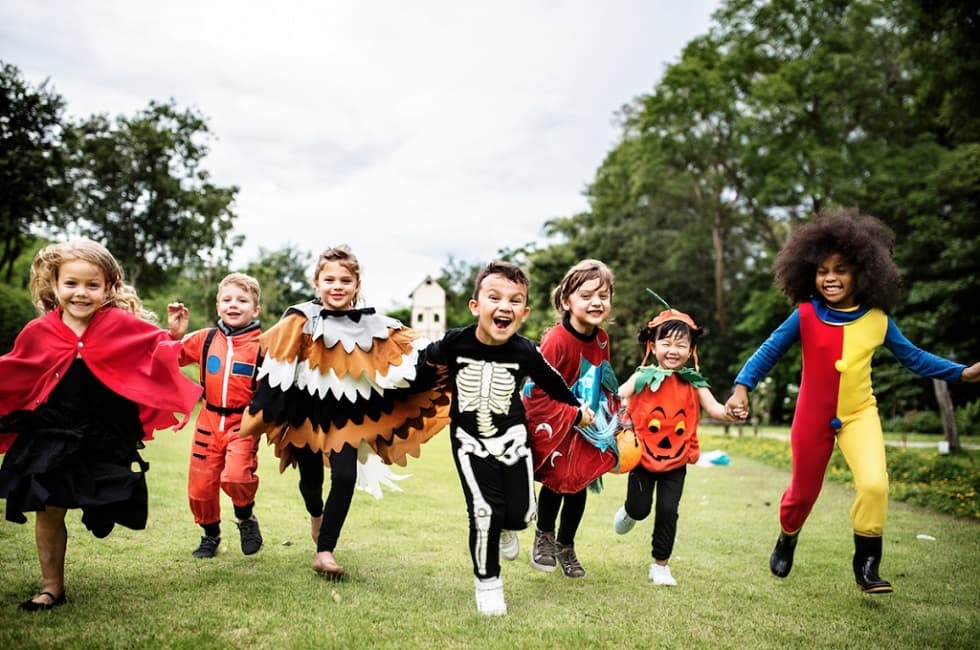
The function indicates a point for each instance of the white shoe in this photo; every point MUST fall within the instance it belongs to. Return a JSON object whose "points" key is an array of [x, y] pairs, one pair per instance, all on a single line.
{"points": [[510, 546], [622, 522], [660, 575], [490, 596]]}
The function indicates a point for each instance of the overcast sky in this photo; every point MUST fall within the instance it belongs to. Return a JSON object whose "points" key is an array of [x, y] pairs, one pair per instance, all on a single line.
{"points": [[411, 131]]}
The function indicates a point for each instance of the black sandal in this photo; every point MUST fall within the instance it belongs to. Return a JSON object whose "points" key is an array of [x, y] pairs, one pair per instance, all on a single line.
{"points": [[31, 606]]}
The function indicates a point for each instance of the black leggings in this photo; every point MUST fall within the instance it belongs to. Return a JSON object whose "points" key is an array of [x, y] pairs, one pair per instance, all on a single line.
{"points": [[343, 477], [549, 504], [639, 499]]}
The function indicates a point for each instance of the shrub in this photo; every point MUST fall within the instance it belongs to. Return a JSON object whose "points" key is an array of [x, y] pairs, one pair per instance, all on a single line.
{"points": [[15, 310]]}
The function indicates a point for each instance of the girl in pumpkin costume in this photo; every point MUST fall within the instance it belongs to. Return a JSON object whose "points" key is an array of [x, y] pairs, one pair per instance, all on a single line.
{"points": [[663, 403], [838, 268], [337, 382]]}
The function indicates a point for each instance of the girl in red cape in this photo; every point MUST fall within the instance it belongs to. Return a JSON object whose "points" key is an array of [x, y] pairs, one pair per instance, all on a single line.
{"points": [[84, 385]]}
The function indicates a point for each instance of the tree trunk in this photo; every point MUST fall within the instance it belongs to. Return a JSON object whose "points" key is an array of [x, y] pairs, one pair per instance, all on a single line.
{"points": [[948, 415]]}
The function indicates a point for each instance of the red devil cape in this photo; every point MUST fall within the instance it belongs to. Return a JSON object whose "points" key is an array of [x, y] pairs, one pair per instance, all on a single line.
{"points": [[132, 357]]}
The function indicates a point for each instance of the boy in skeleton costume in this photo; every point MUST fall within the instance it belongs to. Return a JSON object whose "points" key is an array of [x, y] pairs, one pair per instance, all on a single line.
{"points": [[487, 363]]}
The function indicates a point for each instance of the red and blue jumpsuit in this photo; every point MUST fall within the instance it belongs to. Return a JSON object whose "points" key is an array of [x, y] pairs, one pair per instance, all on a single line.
{"points": [[836, 401], [220, 457]]}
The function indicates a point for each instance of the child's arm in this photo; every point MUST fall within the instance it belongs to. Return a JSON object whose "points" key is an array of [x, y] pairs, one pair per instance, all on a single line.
{"points": [[761, 362], [628, 388], [713, 407], [178, 320], [551, 382], [924, 363]]}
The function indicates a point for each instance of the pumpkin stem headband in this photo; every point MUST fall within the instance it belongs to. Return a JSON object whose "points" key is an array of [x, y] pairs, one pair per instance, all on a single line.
{"points": [[669, 314]]}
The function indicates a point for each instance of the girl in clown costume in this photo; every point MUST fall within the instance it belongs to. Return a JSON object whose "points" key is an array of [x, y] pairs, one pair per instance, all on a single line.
{"points": [[336, 383], [569, 458], [839, 270], [663, 404]]}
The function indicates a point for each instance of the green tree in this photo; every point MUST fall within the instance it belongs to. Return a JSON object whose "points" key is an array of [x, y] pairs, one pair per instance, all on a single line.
{"points": [[141, 189], [33, 180]]}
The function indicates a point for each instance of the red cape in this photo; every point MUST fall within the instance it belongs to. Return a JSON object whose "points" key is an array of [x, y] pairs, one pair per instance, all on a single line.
{"points": [[132, 357]]}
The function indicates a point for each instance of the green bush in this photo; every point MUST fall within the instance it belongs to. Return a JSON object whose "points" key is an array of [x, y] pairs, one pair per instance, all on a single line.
{"points": [[15, 310], [918, 422], [968, 419], [946, 483]]}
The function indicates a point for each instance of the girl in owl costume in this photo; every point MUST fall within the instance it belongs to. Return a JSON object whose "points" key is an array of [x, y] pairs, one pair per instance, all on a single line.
{"points": [[335, 382]]}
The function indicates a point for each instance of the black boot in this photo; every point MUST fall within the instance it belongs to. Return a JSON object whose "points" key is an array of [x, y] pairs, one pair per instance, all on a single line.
{"points": [[867, 555], [781, 560]]}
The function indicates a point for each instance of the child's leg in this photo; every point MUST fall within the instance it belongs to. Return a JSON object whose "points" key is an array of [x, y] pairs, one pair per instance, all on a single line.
{"points": [[670, 487], [571, 516], [640, 485], [863, 446], [204, 476], [549, 503], [51, 539], [310, 465], [239, 480], [482, 483], [343, 478], [811, 443]]}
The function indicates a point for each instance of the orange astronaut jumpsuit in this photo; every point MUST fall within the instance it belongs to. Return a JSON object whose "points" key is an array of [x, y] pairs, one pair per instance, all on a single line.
{"points": [[220, 458]]}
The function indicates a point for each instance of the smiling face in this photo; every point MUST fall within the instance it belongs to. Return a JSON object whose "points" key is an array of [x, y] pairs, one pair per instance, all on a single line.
{"points": [[336, 285], [673, 351], [81, 291], [588, 306], [500, 309], [835, 282], [236, 306]]}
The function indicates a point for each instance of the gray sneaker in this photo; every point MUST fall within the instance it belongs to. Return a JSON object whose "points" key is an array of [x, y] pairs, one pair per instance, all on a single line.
{"points": [[565, 554], [543, 551]]}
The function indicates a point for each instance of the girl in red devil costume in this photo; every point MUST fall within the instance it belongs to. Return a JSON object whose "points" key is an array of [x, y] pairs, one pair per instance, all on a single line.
{"points": [[84, 384], [838, 268], [663, 403], [569, 458]]}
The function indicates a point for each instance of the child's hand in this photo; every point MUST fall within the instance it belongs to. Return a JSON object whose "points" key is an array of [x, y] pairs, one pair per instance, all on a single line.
{"points": [[588, 417], [971, 374], [737, 405], [178, 319]]}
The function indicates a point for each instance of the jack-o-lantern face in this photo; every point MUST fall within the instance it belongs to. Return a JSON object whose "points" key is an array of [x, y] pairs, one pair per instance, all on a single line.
{"points": [[664, 422]]}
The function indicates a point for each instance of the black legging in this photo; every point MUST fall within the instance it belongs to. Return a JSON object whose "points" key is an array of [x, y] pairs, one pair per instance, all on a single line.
{"points": [[549, 504], [343, 477], [639, 499]]}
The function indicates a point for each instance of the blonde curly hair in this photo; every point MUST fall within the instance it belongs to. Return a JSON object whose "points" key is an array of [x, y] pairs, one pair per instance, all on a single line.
{"points": [[48, 261]]}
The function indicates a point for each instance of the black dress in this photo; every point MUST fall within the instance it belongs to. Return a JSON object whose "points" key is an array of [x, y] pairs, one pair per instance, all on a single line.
{"points": [[78, 450]]}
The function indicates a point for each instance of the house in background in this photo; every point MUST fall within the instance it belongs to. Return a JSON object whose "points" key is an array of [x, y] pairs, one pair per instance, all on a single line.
{"points": [[429, 309]]}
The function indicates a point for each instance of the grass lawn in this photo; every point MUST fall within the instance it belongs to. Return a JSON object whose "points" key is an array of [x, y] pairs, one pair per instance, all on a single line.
{"points": [[410, 582]]}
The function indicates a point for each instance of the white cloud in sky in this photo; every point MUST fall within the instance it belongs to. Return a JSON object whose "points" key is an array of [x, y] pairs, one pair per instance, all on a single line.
{"points": [[410, 130]]}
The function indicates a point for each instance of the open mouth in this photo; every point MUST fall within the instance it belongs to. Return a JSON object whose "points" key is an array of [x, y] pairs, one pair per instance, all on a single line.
{"points": [[502, 322]]}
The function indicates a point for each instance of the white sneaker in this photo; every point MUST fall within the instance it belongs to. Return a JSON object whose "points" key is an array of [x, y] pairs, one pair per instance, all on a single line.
{"points": [[510, 545], [490, 596], [660, 575], [622, 522]]}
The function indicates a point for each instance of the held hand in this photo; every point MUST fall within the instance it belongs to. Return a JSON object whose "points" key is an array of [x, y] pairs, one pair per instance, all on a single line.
{"points": [[178, 319], [971, 374], [588, 417], [737, 405]]}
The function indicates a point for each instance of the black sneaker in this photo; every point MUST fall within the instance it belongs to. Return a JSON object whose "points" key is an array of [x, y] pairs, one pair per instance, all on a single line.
{"points": [[251, 537], [208, 547]]}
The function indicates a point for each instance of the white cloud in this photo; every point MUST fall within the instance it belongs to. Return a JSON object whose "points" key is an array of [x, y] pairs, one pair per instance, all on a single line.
{"points": [[411, 131]]}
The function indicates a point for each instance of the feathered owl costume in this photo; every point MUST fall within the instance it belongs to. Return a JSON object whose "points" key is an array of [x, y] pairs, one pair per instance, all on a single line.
{"points": [[335, 378]]}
